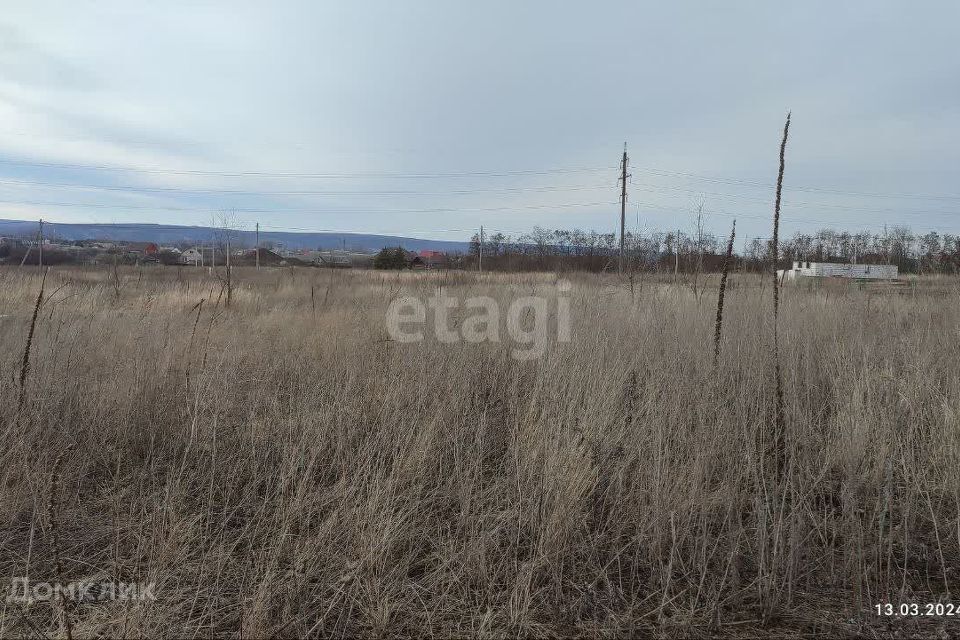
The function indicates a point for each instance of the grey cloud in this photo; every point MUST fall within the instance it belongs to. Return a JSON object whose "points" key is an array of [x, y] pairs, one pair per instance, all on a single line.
{"points": [[698, 88]]}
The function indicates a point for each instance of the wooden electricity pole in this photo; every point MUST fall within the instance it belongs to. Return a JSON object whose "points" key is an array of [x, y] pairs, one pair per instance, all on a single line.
{"points": [[41, 244], [229, 273], [257, 251], [623, 203], [886, 241], [676, 268], [480, 261]]}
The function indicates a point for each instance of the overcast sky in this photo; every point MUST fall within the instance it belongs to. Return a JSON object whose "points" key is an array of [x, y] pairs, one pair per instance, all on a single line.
{"points": [[432, 118]]}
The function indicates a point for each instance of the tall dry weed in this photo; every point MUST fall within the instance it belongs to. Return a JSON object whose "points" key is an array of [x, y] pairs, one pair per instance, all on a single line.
{"points": [[25, 360], [779, 425], [718, 324], [52, 515]]}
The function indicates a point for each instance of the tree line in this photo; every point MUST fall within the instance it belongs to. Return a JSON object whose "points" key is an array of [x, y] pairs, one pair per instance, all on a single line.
{"points": [[545, 249]]}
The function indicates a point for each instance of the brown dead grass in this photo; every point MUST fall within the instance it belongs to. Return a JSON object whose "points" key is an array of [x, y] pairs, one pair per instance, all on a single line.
{"points": [[312, 478]]}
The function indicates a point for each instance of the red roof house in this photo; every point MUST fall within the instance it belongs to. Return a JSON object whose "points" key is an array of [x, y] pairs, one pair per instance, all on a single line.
{"points": [[433, 258]]}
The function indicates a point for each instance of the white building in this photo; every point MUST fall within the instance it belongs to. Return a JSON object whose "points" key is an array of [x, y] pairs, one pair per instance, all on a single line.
{"points": [[191, 256], [804, 269]]}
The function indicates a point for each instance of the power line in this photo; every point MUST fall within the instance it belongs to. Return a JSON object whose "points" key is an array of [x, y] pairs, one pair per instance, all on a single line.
{"points": [[765, 185], [735, 214], [512, 209], [789, 203], [284, 228], [547, 189], [74, 185], [270, 174], [467, 174], [250, 227], [312, 209]]}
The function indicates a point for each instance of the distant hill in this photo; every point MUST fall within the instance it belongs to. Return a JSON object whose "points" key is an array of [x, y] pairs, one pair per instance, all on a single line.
{"points": [[175, 234]]}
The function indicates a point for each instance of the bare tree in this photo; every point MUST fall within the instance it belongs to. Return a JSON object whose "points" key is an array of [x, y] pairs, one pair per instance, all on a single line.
{"points": [[225, 222]]}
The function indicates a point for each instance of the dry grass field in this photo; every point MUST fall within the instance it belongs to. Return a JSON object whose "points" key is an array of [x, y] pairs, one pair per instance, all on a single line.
{"points": [[282, 468]]}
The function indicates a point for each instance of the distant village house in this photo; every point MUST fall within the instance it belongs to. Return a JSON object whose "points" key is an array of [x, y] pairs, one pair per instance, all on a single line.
{"points": [[191, 256], [427, 259]]}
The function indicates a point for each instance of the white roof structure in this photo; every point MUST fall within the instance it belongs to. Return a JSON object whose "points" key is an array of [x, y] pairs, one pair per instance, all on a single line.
{"points": [[803, 269]]}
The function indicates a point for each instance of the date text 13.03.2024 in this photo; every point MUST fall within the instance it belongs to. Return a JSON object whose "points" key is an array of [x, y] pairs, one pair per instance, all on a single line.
{"points": [[917, 609]]}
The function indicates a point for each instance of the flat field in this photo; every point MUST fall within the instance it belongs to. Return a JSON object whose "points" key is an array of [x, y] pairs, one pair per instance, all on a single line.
{"points": [[285, 466]]}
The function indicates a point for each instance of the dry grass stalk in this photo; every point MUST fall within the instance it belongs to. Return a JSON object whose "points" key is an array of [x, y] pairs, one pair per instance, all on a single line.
{"points": [[718, 326], [55, 538], [460, 479], [25, 362], [115, 279], [779, 433], [774, 515], [188, 356]]}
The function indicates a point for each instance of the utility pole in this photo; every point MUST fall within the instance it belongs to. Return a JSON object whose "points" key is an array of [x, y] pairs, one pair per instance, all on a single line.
{"points": [[229, 281], [257, 251], [41, 244], [676, 268], [481, 249], [623, 202], [700, 235], [886, 242]]}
